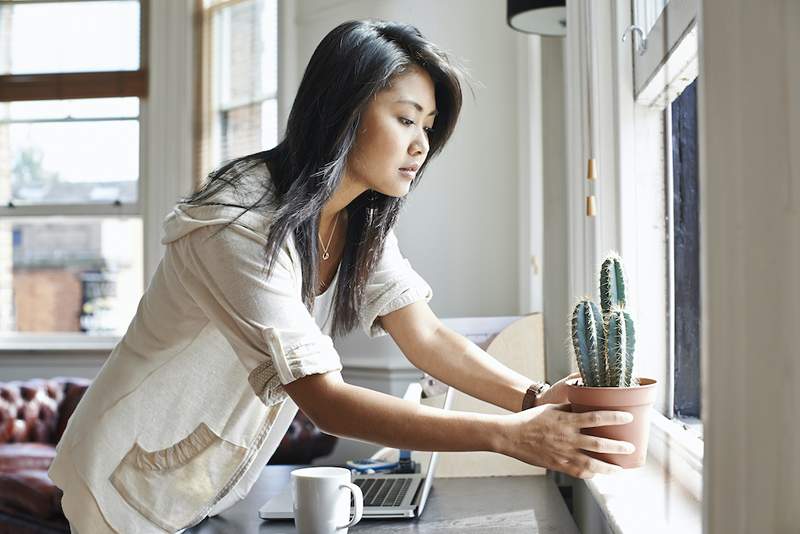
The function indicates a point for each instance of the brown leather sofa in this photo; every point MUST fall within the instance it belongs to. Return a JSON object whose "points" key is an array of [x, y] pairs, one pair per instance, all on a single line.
{"points": [[33, 415]]}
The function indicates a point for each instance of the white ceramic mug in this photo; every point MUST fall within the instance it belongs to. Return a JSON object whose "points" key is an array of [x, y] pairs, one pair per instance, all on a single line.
{"points": [[321, 500]]}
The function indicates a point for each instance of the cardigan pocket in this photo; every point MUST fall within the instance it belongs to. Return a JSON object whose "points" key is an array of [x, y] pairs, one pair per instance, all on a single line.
{"points": [[171, 486]]}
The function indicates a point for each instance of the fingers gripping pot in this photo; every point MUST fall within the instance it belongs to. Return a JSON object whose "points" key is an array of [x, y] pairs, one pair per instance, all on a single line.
{"points": [[603, 340]]}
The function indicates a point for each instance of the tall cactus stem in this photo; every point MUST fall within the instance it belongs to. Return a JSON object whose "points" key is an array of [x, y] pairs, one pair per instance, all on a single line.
{"points": [[612, 283], [586, 327], [630, 347], [616, 348]]}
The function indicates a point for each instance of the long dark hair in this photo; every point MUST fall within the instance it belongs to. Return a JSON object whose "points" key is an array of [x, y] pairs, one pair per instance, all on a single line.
{"points": [[356, 60]]}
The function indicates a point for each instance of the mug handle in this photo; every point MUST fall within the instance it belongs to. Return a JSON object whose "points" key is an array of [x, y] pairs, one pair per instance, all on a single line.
{"points": [[358, 497]]}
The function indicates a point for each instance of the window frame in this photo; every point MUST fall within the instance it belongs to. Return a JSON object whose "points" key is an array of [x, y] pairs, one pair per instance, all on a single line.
{"points": [[659, 76], [207, 132], [73, 86], [82, 85], [668, 62], [632, 145]]}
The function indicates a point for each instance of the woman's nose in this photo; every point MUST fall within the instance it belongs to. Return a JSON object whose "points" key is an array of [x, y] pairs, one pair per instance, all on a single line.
{"points": [[420, 144]]}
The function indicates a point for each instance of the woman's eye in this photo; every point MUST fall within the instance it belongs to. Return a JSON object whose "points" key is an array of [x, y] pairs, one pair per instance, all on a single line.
{"points": [[409, 122]]}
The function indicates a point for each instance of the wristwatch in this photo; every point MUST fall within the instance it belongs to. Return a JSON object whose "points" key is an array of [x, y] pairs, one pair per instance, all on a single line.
{"points": [[534, 391]]}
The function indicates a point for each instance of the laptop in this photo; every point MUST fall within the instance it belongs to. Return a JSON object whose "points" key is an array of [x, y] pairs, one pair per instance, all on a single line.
{"points": [[386, 495]]}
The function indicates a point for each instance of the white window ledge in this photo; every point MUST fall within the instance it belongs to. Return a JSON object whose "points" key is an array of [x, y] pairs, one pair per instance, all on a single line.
{"points": [[45, 344], [664, 495]]}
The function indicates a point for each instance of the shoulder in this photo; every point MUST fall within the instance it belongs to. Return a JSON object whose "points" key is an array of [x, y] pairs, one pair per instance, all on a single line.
{"points": [[246, 196], [244, 199], [247, 184]]}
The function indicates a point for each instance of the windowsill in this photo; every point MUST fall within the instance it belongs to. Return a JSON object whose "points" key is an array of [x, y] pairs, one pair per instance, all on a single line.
{"points": [[44, 344], [663, 495]]}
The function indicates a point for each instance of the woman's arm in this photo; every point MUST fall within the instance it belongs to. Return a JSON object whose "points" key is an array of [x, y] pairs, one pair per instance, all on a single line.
{"points": [[543, 436], [453, 359], [350, 411]]}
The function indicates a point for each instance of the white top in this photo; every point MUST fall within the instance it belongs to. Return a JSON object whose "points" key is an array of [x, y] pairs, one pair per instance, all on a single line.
{"points": [[323, 306], [190, 405]]}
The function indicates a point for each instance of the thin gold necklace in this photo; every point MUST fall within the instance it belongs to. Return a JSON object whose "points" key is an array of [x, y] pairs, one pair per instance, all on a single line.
{"points": [[325, 254]]}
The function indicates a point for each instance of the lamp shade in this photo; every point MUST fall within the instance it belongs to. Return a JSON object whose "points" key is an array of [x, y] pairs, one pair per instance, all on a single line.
{"points": [[542, 17]]}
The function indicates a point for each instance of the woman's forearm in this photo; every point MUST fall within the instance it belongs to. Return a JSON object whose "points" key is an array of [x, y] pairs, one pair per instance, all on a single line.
{"points": [[457, 361], [367, 415]]}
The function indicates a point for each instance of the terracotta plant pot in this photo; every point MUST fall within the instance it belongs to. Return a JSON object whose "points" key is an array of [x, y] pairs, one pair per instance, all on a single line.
{"points": [[636, 400]]}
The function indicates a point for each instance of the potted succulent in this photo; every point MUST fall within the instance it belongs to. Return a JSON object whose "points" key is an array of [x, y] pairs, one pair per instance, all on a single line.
{"points": [[603, 340]]}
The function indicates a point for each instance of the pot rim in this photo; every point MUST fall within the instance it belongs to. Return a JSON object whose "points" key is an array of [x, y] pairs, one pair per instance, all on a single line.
{"points": [[651, 383]]}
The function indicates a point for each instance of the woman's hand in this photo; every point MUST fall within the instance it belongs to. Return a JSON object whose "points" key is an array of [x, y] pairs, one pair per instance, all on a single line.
{"points": [[550, 436], [557, 394]]}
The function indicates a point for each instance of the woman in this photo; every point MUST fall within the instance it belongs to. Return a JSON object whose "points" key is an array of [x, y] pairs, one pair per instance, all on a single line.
{"points": [[277, 252]]}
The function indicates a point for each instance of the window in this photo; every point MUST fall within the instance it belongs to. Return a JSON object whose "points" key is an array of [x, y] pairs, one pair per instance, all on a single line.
{"points": [[667, 61], [646, 13], [665, 89], [239, 75], [686, 257], [71, 241]]}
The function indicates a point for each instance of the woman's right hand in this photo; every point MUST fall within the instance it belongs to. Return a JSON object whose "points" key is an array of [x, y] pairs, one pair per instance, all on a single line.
{"points": [[550, 436]]}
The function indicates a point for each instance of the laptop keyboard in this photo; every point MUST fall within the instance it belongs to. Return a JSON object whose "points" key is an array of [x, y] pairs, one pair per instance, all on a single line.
{"points": [[383, 491]]}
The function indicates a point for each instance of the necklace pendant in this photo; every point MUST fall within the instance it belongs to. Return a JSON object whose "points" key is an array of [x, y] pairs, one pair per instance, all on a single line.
{"points": [[325, 255]]}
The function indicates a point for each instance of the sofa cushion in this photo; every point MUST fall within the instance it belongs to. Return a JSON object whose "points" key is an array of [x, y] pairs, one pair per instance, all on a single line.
{"points": [[32, 492], [22, 456], [73, 388], [29, 410]]}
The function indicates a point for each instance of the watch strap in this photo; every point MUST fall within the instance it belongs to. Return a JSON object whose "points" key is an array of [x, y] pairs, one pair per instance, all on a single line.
{"points": [[534, 390]]}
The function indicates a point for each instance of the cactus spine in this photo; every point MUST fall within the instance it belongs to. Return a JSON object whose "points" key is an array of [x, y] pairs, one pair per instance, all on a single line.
{"points": [[604, 339]]}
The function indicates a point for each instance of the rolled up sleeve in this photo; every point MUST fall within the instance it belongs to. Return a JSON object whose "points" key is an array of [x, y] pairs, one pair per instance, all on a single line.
{"points": [[263, 318], [393, 284]]}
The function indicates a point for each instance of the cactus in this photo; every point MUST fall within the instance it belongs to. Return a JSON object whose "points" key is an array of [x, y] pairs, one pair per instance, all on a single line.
{"points": [[604, 338], [612, 283]]}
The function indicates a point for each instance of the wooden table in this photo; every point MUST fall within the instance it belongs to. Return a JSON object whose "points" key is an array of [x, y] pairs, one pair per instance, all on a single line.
{"points": [[501, 505]]}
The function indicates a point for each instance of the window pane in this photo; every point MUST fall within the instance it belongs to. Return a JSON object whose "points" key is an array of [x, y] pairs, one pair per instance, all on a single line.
{"points": [[269, 123], [69, 37], [246, 59], [248, 129], [244, 68], [686, 229], [67, 153], [70, 274], [646, 13]]}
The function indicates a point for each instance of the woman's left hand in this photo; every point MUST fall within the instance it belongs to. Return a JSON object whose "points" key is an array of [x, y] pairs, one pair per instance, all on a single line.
{"points": [[557, 394]]}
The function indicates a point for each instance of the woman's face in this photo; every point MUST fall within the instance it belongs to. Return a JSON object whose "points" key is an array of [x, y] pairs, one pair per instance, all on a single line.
{"points": [[393, 134]]}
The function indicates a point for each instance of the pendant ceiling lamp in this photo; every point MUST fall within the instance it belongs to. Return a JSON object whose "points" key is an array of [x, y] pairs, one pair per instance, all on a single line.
{"points": [[542, 17]]}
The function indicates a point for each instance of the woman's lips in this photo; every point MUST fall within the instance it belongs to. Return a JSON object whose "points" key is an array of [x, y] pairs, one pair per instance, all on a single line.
{"points": [[408, 173]]}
